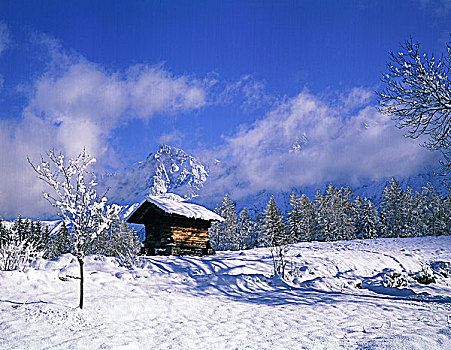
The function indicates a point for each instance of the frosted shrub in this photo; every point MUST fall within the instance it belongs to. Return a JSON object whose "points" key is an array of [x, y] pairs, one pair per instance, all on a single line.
{"points": [[17, 255], [425, 276], [128, 260], [117, 240], [396, 280]]}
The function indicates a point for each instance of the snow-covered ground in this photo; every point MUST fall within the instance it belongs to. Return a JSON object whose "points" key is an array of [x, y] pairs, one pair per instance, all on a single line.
{"points": [[334, 299]]}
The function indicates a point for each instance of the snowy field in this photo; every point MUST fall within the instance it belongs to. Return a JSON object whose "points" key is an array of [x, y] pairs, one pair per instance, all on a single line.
{"points": [[335, 298]]}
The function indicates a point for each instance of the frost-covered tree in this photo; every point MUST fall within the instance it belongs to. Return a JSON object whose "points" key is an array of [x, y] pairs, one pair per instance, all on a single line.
{"points": [[434, 212], [401, 212], [17, 248], [4, 234], [259, 221], [417, 95], [246, 230], [274, 235], [392, 209], [414, 220], [301, 218], [128, 245], [19, 228], [446, 218], [117, 240], [73, 195], [274, 229], [366, 218], [334, 214], [224, 235], [60, 243], [294, 217], [307, 220]]}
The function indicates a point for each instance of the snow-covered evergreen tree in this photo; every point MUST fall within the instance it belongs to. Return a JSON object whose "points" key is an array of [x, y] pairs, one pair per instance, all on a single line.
{"points": [[274, 229], [446, 217], [4, 234], [246, 230], [17, 249], [307, 219], [60, 243], [392, 209], [414, 219], [224, 235], [259, 215], [19, 228], [301, 218], [294, 218], [433, 212], [116, 240], [366, 219], [334, 214]]}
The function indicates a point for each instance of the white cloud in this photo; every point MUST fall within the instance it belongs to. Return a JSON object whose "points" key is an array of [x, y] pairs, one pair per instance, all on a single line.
{"points": [[85, 104], [20, 192], [173, 138], [357, 97], [331, 146], [247, 91], [77, 104], [153, 90]]}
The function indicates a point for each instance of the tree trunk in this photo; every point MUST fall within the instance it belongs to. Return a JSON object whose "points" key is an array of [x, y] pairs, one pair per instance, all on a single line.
{"points": [[81, 262]]}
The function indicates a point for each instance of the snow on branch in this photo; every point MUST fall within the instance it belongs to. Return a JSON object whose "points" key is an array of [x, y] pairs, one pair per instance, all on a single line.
{"points": [[73, 195], [417, 94]]}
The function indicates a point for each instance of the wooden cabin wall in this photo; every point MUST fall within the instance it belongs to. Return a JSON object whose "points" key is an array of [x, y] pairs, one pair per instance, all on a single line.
{"points": [[190, 236], [176, 234]]}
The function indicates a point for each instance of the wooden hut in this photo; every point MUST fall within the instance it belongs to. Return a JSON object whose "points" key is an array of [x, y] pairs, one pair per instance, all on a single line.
{"points": [[174, 227]]}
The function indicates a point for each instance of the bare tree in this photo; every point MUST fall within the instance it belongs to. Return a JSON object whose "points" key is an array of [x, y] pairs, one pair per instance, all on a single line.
{"points": [[417, 95], [73, 195]]}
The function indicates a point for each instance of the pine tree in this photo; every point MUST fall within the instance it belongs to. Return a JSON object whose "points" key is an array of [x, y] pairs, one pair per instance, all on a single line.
{"points": [[447, 215], [392, 209], [307, 218], [259, 227], [433, 213], [274, 230], [128, 245], [18, 230], [294, 218], [4, 234], [366, 219], [415, 224], [224, 235], [334, 214], [275, 236], [37, 235], [60, 242], [246, 229], [300, 218]]}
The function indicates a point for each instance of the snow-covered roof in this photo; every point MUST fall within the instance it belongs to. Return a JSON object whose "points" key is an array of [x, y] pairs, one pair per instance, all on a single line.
{"points": [[171, 206]]}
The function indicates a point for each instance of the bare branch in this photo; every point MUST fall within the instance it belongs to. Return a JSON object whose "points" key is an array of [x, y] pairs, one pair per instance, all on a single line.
{"points": [[417, 95]]}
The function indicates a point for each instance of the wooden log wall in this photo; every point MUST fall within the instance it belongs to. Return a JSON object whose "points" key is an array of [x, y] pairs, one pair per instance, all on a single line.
{"points": [[190, 236]]}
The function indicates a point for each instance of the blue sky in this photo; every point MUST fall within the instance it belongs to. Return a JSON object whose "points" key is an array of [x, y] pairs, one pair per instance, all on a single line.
{"points": [[242, 81]]}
